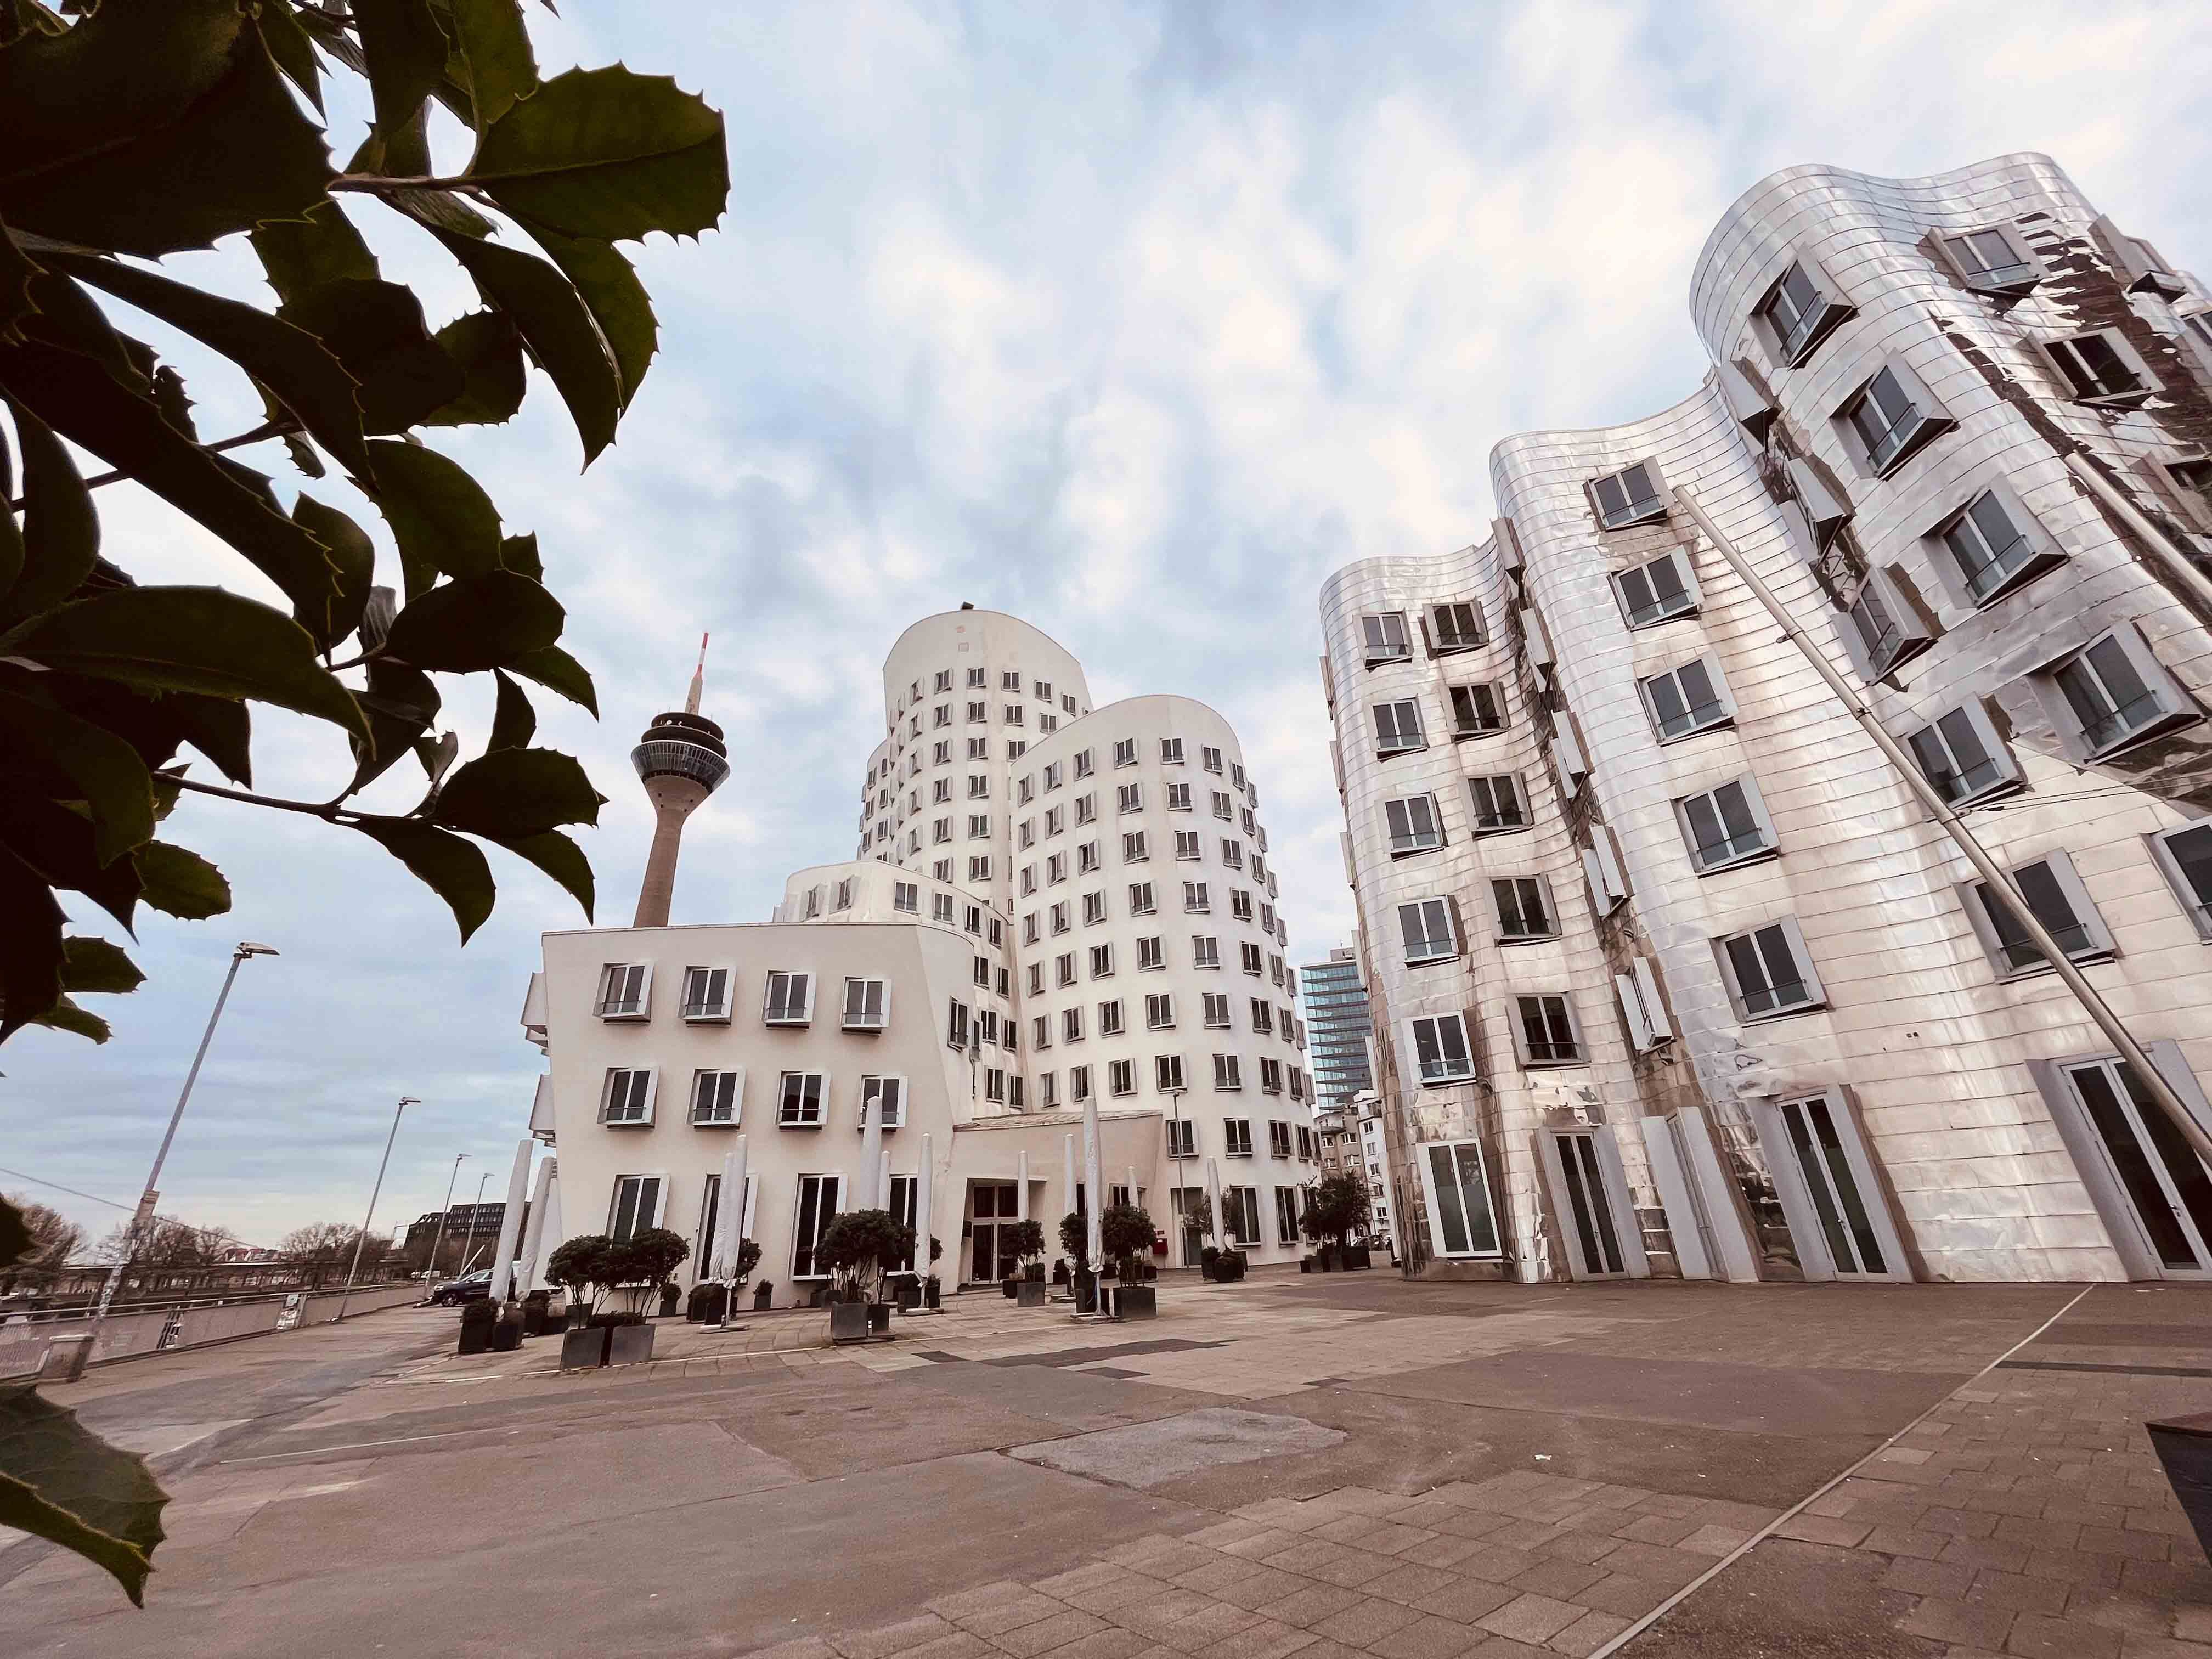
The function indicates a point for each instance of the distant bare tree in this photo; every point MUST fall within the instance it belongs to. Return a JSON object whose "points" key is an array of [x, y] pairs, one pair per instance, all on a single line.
{"points": [[169, 1243], [54, 1239]]}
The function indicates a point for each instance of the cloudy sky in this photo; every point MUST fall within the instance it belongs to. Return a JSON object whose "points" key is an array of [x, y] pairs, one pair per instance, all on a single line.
{"points": [[1133, 320]]}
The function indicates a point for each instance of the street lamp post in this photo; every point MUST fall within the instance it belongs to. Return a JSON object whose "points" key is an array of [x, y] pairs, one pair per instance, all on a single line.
{"points": [[445, 1210], [476, 1218], [145, 1214], [361, 1239]]}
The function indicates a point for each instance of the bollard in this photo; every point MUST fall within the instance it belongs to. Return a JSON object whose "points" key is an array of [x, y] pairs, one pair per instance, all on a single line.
{"points": [[65, 1358]]}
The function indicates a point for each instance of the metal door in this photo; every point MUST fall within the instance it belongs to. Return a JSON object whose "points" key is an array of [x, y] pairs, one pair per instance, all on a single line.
{"points": [[1837, 1211]]}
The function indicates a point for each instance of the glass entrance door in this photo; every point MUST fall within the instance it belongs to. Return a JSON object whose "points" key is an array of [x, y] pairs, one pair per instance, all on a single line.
{"points": [[2165, 1181], [1839, 1198], [995, 1206], [1589, 1230], [1460, 1221]]}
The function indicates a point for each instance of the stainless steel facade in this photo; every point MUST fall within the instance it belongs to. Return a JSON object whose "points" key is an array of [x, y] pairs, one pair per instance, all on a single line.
{"points": [[1732, 1006]]}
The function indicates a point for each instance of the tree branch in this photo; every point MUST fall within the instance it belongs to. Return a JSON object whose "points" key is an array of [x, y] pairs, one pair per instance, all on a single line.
{"points": [[282, 426], [332, 811], [371, 184]]}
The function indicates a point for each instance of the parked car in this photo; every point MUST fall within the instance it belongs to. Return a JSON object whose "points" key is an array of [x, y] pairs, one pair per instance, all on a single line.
{"points": [[474, 1288]]}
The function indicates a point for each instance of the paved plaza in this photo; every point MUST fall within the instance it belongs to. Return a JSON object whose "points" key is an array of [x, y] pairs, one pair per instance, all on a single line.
{"points": [[1319, 1466]]}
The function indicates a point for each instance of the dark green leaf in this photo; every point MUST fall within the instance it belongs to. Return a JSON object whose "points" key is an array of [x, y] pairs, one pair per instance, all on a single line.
{"points": [[454, 868], [615, 299], [551, 315], [355, 555], [304, 253], [129, 434], [66, 1016], [440, 516], [93, 965], [190, 639], [377, 331], [58, 844], [514, 722], [609, 154], [436, 756], [179, 883], [495, 47], [476, 622], [30, 945], [440, 209], [489, 352], [559, 858], [400, 703], [16, 270], [293, 49], [406, 53], [289, 361], [105, 771], [557, 671], [61, 1482], [519, 554], [512, 793], [61, 529], [72, 319], [176, 406], [222, 728], [166, 791], [146, 188], [303, 455]]}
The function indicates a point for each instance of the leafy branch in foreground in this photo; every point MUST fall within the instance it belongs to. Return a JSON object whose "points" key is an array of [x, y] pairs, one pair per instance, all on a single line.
{"points": [[131, 129]]}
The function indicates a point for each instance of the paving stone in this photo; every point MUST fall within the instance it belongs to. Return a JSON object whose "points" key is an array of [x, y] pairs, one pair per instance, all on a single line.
{"points": [[1335, 1564], [1944, 1620], [1441, 1552], [1625, 1594], [2022, 1595], [1027, 1609], [961, 1644], [1986, 1553], [1472, 1523], [1222, 1533], [1385, 1537], [2076, 1567], [2166, 1581], [1672, 1567], [1364, 1623], [1659, 1528], [1027, 1641], [1958, 1523], [1531, 1618], [1560, 1578], [1263, 1638], [1584, 1546], [2035, 1636], [806, 1647], [1906, 1540], [1504, 1647], [1258, 1544], [1104, 1645], [2121, 1541], [1408, 1583], [1841, 1531], [2050, 1534], [2118, 1610], [1500, 1564], [1424, 1636], [994, 1595], [1219, 1571], [1307, 1606], [893, 1639], [1714, 1541], [1154, 1615], [1203, 1628], [1923, 1577], [1587, 1634], [1467, 1601]]}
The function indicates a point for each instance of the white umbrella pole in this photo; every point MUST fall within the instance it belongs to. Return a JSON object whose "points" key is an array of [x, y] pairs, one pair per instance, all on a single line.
{"points": [[510, 1225]]}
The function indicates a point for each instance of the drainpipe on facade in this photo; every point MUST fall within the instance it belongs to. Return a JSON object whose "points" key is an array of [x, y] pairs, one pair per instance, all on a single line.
{"points": [[2000, 880], [2174, 558]]}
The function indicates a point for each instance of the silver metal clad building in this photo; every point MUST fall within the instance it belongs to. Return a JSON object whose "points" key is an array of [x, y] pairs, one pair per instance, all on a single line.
{"points": [[1670, 970]]}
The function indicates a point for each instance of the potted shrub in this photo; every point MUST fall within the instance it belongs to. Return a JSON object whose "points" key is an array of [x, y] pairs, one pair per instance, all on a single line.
{"points": [[708, 1301], [576, 1266], [650, 1258], [1026, 1240], [1209, 1258], [1075, 1239], [1125, 1232], [478, 1319], [859, 1247], [931, 1291], [629, 1337], [1335, 1207]]}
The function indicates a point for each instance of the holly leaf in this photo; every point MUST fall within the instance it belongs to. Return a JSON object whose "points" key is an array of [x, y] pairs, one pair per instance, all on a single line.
{"points": [[94, 966], [30, 953], [179, 883], [319, 247], [189, 639], [400, 703], [353, 555], [489, 350], [608, 154], [440, 516], [376, 330], [113, 781], [514, 722], [453, 867], [61, 529], [477, 623], [611, 292], [552, 317], [61, 1482], [557, 671], [66, 1016], [16, 270], [406, 54], [512, 792], [494, 46], [559, 858]]}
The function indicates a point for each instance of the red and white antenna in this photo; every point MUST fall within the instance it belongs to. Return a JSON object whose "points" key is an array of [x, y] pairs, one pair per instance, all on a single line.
{"points": [[698, 677]]}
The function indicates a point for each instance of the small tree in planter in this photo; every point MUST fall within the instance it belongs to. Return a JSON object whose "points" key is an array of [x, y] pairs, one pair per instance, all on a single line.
{"points": [[860, 1246], [1125, 1234], [577, 1266], [930, 1287], [650, 1260], [1026, 1240], [1336, 1207], [1083, 1272]]}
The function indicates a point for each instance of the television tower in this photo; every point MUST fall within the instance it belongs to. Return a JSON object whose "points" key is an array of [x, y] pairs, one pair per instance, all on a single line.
{"points": [[681, 761]]}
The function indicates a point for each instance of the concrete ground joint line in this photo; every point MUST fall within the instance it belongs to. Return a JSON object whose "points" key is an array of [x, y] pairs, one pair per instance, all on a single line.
{"points": [[1767, 1531]]}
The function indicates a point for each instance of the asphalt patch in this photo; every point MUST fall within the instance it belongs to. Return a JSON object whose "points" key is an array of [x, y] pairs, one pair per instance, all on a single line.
{"points": [[1171, 1448]]}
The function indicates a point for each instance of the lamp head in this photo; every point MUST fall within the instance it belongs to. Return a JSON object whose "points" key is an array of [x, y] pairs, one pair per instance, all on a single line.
{"points": [[248, 948], [409, 1100]]}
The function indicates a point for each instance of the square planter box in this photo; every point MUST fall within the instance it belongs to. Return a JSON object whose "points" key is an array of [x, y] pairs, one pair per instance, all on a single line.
{"points": [[584, 1350], [630, 1344], [1030, 1293], [2185, 1446], [849, 1321], [879, 1318], [1137, 1302], [1358, 1256]]}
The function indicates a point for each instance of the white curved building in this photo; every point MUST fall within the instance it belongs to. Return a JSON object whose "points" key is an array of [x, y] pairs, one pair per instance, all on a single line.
{"points": [[1668, 965]]}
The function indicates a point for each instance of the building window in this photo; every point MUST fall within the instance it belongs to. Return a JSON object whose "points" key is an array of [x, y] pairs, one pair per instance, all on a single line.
{"points": [[956, 1023], [1726, 827], [887, 1095], [1188, 845], [1101, 961], [1687, 699], [707, 993], [1996, 546], [1240, 1216], [1240, 905], [1885, 632], [800, 1099], [1271, 1079], [1179, 797], [1232, 853], [1121, 1077], [1109, 1019], [1140, 899], [1398, 728], [1130, 797], [1063, 970], [2055, 893], [867, 1003], [979, 867], [1133, 848], [906, 897], [1172, 751], [2102, 368], [1263, 1016], [1429, 931], [1769, 971], [1151, 954], [628, 1097], [1992, 261], [1086, 809], [1206, 950], [2117, 693], [1642, 1006], [1167, 1077], [1629, 496], [1440, 1052], [1195, 899], [2185, 856], [625, 990], [1086, 858], [1888, 418], [1608, 888], [1236, 1131], [1209, 757], [790, 999], [1125, 752], [1386, 637], [1159, 1012], [1414, 825], [1070, 1025], [1544, 1032], [1477, 711], [940, 904], [1456, 627], [1798, 312], [1223, 807], [816, 1208], [1498, 804], [1655, 592], [1963, 758], [1215, 1006], [1524, 910], [1229, 1076], [635, 1206]]}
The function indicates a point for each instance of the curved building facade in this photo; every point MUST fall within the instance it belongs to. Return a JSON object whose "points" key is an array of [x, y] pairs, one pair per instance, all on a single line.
{"points": [[1670, 967]]}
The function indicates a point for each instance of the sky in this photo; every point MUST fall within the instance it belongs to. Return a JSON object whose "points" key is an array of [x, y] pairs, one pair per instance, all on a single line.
{"points": [[1133, 320]]}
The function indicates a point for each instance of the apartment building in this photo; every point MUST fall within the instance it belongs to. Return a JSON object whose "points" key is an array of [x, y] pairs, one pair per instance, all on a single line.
{"points": [[1337, 1026], [1676, 973]]}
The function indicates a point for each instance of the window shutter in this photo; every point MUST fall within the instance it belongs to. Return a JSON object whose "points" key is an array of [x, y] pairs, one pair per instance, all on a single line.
{"points": [[1570, 753], [1752, 411], [1609, 865], [645, 994], [652, 1091], [1507, 542], [1655, 1005], [1600, 900], [1823, 508], [1631, 1008]]}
